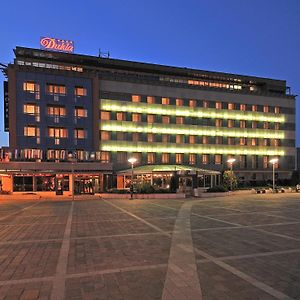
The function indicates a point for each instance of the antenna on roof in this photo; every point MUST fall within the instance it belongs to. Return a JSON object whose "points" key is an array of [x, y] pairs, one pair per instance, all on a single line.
{"points": [[103, 54]]}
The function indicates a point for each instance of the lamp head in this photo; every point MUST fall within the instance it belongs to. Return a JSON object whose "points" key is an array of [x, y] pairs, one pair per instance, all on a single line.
{"points": [[231, 160], [132, 160], [273, 161]]}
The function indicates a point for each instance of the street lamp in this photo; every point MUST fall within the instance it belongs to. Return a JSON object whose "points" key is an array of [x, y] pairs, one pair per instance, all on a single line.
{"points": [[132, 160], [273, 161], [231, 162]]}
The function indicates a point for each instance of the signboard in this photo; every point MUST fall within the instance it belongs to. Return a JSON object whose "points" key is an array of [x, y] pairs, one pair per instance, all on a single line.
{"points": [[6, 106], [48, 43]]}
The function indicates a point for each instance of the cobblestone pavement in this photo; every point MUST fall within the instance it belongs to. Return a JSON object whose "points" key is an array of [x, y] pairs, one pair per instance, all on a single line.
{"points": [[231, 248]]}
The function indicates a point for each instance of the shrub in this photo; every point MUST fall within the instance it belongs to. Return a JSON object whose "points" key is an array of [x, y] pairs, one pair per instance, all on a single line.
{"points": [[217, 189], [118, 191], [144, 188]]}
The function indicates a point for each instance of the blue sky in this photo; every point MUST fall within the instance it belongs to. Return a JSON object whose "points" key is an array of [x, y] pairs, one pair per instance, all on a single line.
{"points": [[256, 37]]}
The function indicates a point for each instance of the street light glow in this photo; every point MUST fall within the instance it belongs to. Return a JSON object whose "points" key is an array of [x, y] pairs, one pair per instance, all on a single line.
{"points": [[132, 160], [273, 161], [231, 160]]}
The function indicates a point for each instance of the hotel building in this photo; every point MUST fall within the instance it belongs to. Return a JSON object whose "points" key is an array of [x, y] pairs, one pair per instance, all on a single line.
{"points": [[107, 110]]}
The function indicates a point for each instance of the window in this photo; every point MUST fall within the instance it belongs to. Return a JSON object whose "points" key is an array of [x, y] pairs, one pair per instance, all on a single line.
{"points": [[205, 104], [179, 120], [150, 158], [165, 138], [254, 107], [32, 87], [230, 141], [204, 140], [80, 112], [120, 136], [151, 119], [52, 89], [121, 116], [150, 137], [192, 159], [57, 132], [275, 142], [179, 139], [254, 162], [56, 111], [242, 124], [165, 119], [218, 159], [266, 109], [192, 103], [105, 135], [218, 123], [254, 124], [165, 101], [230, 123], [31, 131], [230, 106], [218, 105], [242, 141], [178, 158], [265, 142], [150, 100], [137, 155], [135, 137], [79, 133], [80, 91], [105, 115], [179, 102], [31, 109], [165, 158], [204, 159], [277, 110], [243, 107], [136, 117], [105, 156], [192, 139], [121, 156], [243, 161], [266, 125], [276, 126], [136, 98], [265, 162], [218, 140], [253, 142]]}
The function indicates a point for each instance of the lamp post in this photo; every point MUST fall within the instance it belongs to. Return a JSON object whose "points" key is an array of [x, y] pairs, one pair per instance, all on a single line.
{"points": [[273, 161], [132, 160], [231, 162]]}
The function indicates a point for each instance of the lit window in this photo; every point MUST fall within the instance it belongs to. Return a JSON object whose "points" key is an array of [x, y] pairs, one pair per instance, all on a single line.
{"points": [[205, 104], [80, 91], [137, 156], [277, 110], [218, 140], [204, 140], [242, 141], [105, 156], [136, 117], [121, 116], [275, 142], [32, 87], [243, 161], [105, 115], [179, 139], [205, 159], [254, 124], [150, 158], [253, 142], [105, 135], [265, 142], [243, 107], [135, 137], [150, 137], [230, 141], [31, 109], [150, 119], [179, 120], [31, 131], [192, 139], [165, 119], [242, 124], [230, 123], [165, 101], [150, 100], [276, 126], [230, 106], [80, 112], [265, 162], [192, 159], [266, 109], [218, 159], [53, 89], [56, 111], [218, 123], [136, 98], [192, 103], [165, 138], [165, 158], [266, 125], [79, 133], [57, 132], [218, 105], [179, 102], [178, 158], [254, 107]]}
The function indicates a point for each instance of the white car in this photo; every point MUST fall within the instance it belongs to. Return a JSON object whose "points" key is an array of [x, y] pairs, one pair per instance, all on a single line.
{"points": [[298, 187]]}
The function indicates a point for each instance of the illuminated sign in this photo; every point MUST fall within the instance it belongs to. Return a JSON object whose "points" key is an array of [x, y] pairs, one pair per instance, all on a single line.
{"points": [[6, 106], [53, 44]]}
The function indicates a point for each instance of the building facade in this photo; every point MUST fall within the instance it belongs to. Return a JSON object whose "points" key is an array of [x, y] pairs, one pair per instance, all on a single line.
{"points": [[107, 110]]}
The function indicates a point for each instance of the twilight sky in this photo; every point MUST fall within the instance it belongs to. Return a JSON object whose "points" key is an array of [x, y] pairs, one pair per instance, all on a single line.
{"points": [[257, 37]]}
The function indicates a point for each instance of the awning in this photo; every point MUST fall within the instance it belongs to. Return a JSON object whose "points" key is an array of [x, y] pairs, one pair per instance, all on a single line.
{"points": [[167, 168]]}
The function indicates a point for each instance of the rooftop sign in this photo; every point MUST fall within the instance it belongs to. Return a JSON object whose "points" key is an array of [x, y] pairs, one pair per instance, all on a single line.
{"points": [[48, 43]]}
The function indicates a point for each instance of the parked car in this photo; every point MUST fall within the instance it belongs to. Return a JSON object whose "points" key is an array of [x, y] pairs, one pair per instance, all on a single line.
{"points": [[298, 187]]}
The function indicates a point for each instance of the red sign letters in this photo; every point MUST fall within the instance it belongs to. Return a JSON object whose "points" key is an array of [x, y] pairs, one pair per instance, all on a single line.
{"points": [[48, 43]]}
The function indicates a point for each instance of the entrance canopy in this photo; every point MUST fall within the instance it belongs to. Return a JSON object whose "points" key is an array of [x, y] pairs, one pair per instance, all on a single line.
{"points": [[169, 168]]}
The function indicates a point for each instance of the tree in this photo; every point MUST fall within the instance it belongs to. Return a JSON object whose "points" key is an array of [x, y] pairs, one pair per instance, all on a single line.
{"points": [[229, 179]]}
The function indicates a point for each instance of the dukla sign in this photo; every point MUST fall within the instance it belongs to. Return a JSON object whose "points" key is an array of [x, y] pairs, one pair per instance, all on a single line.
{"points": [[48, 43]]}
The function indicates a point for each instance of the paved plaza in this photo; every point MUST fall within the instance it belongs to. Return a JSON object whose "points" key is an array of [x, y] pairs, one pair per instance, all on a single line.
{"points": [[238, 247]]}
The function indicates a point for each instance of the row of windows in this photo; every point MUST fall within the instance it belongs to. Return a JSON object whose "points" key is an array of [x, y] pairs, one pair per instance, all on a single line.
{"points": [[53, 89], [192, 139], [50, 66], [34, 109], [151, 119], [54, 132], [193, 159], [208, 104]]}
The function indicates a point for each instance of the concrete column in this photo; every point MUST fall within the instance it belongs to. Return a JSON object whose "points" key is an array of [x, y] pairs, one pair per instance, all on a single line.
{"points": [[34, 184], [7, 184], [71, 182], [211, 180]]}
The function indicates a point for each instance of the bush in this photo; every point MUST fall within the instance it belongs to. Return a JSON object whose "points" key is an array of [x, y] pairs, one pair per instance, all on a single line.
{"points": [[217, 189], [118, 191], [144, 188]]}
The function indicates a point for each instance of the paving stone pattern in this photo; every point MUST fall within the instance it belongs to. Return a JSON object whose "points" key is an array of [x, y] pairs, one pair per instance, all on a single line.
{"points": [[242, 248]]}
